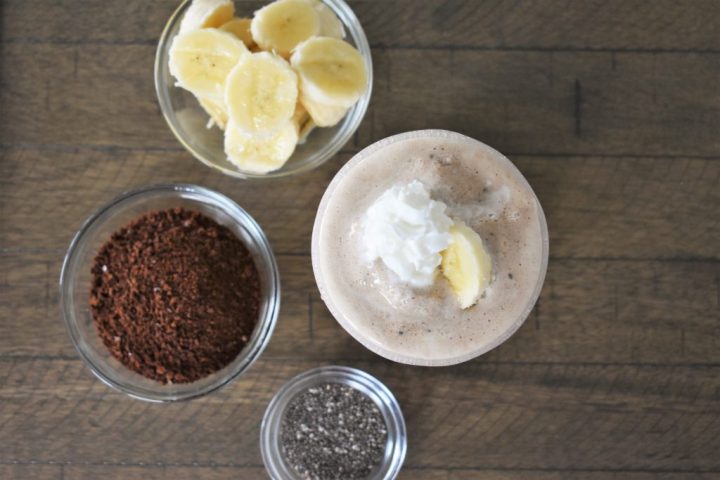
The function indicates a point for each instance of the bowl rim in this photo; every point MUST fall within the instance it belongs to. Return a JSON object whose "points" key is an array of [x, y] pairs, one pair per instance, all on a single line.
{"points": [[348, 325], [250, 353], [360, 380], [328, 151]]}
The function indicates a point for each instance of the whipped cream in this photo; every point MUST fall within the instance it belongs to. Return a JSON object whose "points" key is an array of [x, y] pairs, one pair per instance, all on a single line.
{"points": [[407, 230]]}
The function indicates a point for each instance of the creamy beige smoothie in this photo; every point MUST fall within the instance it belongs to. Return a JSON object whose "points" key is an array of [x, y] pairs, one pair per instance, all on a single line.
{"points": [[400, 306]]}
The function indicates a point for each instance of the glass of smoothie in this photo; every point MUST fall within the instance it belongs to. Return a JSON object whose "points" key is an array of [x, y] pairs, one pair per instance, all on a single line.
{"points": [[430, 248]]}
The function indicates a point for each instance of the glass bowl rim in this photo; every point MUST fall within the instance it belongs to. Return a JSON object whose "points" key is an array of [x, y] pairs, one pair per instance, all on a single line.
{"points": [[367, 384], [326, 152], [265, 326]]}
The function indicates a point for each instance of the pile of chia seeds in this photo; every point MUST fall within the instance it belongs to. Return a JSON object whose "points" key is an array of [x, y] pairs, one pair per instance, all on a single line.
{"points": [[333, 431]]}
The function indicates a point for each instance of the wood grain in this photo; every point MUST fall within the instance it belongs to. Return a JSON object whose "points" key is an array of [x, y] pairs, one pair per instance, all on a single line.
{"points": [[523, 416], [550, 24], [555, 103], [610, 108], [31, 472], [551, 103], [164, 472]]}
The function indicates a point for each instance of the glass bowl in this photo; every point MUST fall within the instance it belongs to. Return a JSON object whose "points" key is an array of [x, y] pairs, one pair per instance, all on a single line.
{"points": [[395, 447], [75, 284], [188, 120]]}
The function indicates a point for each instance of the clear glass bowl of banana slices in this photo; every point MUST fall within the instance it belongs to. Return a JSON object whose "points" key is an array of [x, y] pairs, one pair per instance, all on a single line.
{"points": [[269, 92]]}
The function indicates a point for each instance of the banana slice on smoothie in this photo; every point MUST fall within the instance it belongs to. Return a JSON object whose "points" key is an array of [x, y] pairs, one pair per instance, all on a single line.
{"points": [[466, 264], [201, 60], [332, 72], [207, 14], [260, 154], [280, 26], [240, 27], [323, 115], [261, 93]]}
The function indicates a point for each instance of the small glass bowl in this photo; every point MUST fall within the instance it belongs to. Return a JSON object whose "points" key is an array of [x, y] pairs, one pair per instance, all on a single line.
{"points": [[188, 121], [396, 445], [76, 280]]}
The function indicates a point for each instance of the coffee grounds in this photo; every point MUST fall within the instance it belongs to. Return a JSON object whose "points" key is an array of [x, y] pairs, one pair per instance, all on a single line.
{"points": [[333, 431], [175, 296]]}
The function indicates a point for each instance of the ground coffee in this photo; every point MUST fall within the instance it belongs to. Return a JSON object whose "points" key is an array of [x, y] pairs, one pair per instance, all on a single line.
{"points": [[175, 295], [333, 431]]}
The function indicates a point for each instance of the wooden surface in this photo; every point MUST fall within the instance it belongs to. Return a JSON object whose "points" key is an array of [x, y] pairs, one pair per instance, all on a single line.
{"points": [[611, 108]]}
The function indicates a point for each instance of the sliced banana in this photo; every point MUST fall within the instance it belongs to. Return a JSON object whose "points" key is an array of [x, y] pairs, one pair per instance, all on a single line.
{"points": [[216, 110], [323, 115], [261, 93], [240, 27], [466, 264], [303, 122], [201, 60], [206, 14], [330, 24], [300, 116], [332, 72], [282, 25], [260, 154], [305, 130]]}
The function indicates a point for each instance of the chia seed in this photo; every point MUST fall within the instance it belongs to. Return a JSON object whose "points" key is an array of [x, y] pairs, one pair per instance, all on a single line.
{"points": [[333, 431]]}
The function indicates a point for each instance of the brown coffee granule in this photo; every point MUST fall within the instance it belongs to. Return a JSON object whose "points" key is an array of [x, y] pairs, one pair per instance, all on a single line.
{"points": [[175, 295]]}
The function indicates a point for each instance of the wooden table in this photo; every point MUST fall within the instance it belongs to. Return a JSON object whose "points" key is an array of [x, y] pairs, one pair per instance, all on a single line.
{"points": [[611, 108]]}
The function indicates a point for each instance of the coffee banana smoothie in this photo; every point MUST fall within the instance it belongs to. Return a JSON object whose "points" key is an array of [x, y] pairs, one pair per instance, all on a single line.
{"points": [[430, 248]]}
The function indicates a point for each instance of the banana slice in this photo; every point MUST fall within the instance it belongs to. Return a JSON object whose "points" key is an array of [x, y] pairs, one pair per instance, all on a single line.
{"points": [[332, 72], [261, 93], [207, 14], [217, 112], [282, 25], [201, 60], [323, 115], [305, 130], [260, 154], [466, 264], [240, 27], [303, 122], [300, 116], [330, 24]]}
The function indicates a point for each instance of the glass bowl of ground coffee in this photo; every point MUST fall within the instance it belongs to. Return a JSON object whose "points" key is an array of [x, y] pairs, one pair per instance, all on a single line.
{"points": [[333, 422], [170, 292]]}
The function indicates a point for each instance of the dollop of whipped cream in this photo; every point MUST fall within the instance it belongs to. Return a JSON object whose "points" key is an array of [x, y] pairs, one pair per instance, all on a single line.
{"points": [[407, 230]]}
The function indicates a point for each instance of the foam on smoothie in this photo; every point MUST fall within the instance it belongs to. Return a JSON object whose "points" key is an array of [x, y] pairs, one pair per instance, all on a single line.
{"points": [[426, 325]]}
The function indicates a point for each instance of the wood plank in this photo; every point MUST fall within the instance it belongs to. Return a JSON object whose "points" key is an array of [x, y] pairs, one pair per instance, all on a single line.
{"points": [[634, 418], [163, 472], [632, 312], [286, 212], [552, 24], [489, 474], [31, 472], [99, 95], [596, 206], [637, 104], [561, 103]]}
